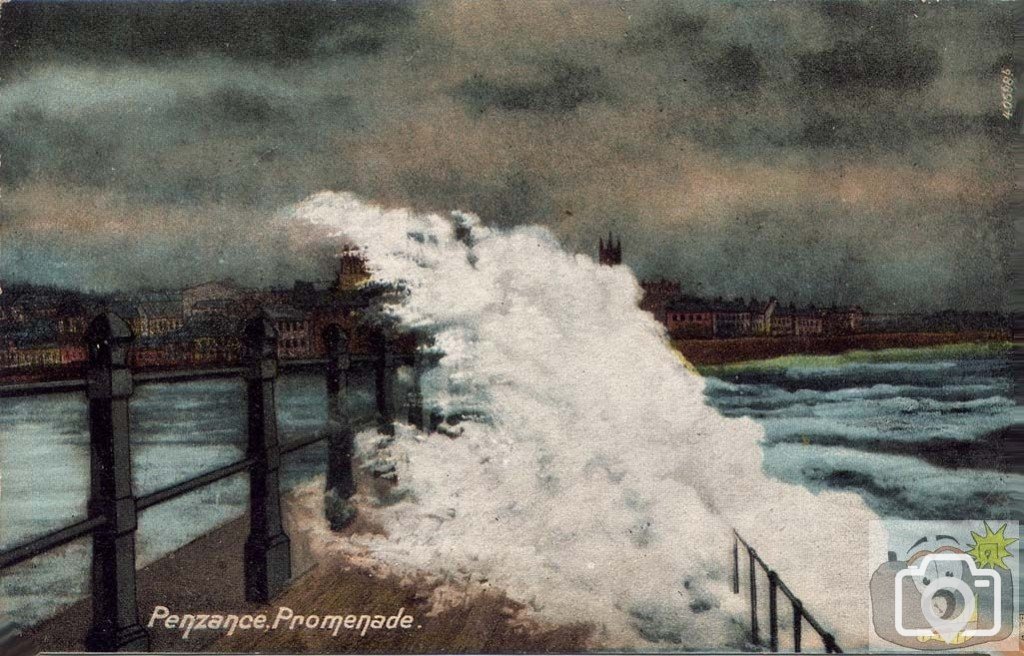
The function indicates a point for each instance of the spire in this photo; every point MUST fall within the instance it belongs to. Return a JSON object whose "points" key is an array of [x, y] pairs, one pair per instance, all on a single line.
{"points": [[610, 252]]}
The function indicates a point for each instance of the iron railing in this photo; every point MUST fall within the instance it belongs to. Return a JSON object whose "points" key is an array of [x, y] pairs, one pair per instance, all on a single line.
{"points": [[775, 584], [113, 505]]}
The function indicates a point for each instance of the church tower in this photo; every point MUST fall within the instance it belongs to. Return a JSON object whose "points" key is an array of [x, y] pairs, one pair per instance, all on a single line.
{"points": [[352, 273], [609, 254]]}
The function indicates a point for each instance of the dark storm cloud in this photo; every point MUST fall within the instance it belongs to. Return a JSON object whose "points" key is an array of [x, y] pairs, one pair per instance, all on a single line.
{"points": [[881, 54], [666, 27], [153, 31], [827, 152], [869, 64], [738, 69], [563, 87]]}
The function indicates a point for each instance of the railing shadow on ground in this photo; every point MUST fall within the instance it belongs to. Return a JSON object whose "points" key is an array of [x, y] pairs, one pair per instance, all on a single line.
{"points": [[113, 506], [775, 584]]}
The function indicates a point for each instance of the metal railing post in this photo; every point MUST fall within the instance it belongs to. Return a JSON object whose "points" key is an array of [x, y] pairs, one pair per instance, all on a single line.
{"points": [[735, 563], [385, 383], [340, 480], [267, 549], [773, 611], [115, 623], [755, 637], [415, 399], [798, 619]]}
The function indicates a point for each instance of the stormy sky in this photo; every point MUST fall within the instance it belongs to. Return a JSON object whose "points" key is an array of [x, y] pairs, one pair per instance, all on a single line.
{"points": [[833, 152]]}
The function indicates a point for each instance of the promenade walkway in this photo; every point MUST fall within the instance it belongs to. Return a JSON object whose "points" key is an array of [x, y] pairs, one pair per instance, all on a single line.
{"points": [[206, 576]]}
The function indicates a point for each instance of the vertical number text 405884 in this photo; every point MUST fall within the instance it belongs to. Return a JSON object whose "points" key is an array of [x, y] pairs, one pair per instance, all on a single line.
{"points": [[1006, 92]]}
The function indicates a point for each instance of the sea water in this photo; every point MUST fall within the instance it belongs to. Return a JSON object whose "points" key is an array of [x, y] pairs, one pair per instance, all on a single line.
{"points": [[919, 434], [178, 431], [829, 422]]}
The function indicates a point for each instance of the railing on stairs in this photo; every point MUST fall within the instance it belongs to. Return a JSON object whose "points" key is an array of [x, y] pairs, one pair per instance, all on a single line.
{"points": [[775, 584]]}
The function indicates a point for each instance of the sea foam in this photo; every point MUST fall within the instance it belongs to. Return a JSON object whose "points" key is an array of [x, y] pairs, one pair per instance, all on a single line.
{"points": [[591, 481]]}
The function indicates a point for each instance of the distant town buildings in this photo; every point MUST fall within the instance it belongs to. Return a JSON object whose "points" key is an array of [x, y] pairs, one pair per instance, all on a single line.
{"points": [[209, 297], [657, 295], [42, 328], [692, 317]]}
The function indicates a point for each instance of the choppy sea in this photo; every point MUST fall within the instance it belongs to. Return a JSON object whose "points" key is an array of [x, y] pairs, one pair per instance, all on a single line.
{"points": [[920, 434]]}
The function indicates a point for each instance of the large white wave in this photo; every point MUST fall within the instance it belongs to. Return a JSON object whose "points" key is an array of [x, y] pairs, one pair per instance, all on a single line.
{"points": [[592, 481]]}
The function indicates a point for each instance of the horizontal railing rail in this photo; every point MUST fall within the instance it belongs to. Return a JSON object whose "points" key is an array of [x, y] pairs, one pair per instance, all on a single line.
{"points": [[50, 541], [63, 386], [113, 505], [187, 375], [191, 485], [775, 584], [14, 390], [298, 443]]}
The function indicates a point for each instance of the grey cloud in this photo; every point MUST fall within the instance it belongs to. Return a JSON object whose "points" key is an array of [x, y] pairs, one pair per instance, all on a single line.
{"points": [[737, 69], [869, 63], [275, 32], [563, 86], [746, 148]]}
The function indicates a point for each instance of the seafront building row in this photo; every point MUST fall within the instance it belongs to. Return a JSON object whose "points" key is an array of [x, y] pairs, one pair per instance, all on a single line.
{"points": [[198, 326], [691, 317], [41, 328], [688, 316]]}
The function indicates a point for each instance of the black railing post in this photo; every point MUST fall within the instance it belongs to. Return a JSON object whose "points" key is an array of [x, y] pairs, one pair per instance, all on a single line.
{"points": [[735, 563], [774, 584], [340, 480], [385, 383], [267, 549], [115, 623], [798, 619], [415, 399], [755, 637]]}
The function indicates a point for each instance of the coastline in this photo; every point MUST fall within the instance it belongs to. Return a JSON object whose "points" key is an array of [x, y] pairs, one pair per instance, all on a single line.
{"points": [[705, 353]]}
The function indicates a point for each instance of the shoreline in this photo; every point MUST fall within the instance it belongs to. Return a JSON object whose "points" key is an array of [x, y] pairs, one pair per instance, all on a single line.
{"points": [[704, 353]]}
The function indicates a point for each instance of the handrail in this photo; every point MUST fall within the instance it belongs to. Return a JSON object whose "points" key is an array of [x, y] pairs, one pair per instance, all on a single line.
{"points": [[775, 584], [150, 377], [184, 487], [39, 388], [202, 480], [13, 390], [305, 363], [52, 540]]}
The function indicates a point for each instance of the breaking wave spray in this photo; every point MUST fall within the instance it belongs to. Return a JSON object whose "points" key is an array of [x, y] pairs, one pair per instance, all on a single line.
{"points": [[591, 481]]}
